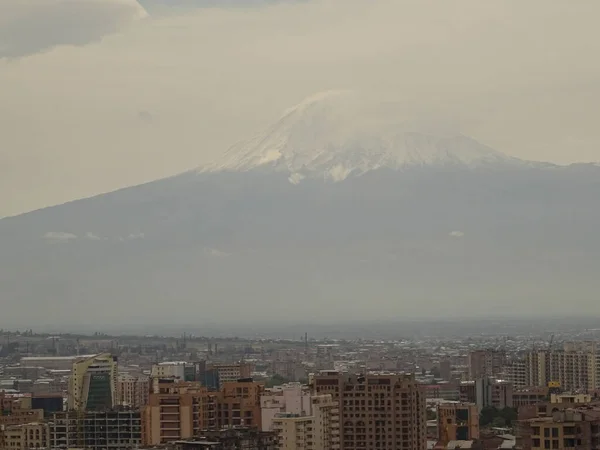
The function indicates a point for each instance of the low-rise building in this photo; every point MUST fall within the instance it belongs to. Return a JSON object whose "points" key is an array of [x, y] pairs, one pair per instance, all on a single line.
{"points": [[27, 436]]}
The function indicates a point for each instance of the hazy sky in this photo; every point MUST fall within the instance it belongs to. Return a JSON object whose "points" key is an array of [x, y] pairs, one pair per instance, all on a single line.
{"points": [[99, 94]]}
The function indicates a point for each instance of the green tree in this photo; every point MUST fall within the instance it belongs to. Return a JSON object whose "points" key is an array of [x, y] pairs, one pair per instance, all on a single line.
{"points": [[499, 422], [276, 380]]}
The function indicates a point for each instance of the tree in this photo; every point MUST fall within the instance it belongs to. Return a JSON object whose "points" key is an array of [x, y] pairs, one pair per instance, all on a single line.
{"points": [[487, 415], [276, 380], [499, 422]]}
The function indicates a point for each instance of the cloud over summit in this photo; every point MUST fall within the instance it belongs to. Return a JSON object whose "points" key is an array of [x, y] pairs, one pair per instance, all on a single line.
{"points": [[31, 26]]}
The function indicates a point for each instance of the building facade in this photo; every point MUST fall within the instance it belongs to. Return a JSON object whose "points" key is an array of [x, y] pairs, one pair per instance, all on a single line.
{"points": [[96, 430], [27, 436], [377, 410], [457, 422], [566, 429], [93, 383], [290, 398], [133, 391], [320, 430], [180, 410], [175, 411], [486, 363]]}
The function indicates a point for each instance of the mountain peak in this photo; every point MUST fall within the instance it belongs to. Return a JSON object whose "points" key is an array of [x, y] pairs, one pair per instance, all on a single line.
{"points": [[336, 133]]}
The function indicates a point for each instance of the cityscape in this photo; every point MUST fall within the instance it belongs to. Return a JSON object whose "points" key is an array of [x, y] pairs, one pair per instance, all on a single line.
{"points": [[299, 225], [535, 390]]}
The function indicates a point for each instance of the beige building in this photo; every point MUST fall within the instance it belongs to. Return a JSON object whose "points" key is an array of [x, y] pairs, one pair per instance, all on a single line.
{"points": [[93, 383], [232, 372], [174, 411], [133, 391], [575, 367], [516, 373], [27, 436], [457, 422], [566, 429], [570, 398], [318, 431], [180, 410], [377, 410]]}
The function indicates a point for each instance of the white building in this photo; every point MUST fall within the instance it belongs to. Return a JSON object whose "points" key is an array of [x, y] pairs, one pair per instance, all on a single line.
{"points": [[291, 398]]}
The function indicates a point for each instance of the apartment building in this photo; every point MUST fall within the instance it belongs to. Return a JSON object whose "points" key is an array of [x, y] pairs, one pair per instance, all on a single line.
{"points": [[318, 431], [133, 391], [566, 429], [377, 410], [180, 410], [457, 422], [290, 398], [27, 436], [530, 396], [175, 411], [232, 372], [516, 373], [238, 404], [485, 363], [575, 367], [486, 392], [21, 417], [93, 383], [180, 370], [96, 430]]}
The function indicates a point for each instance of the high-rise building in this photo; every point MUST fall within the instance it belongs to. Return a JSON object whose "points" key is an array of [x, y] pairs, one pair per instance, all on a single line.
{"points": [[318, 430], [486, 363], [575, 367], [175, 411], [96, 430], [180, 410], [457, 422], [238, 404], [377, 410], [516, 373], [445, 370], [133, 391], [93, 383]]}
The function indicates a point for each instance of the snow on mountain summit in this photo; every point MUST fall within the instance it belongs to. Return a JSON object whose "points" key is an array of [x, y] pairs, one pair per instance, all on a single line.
{"points": [[335, 134]]}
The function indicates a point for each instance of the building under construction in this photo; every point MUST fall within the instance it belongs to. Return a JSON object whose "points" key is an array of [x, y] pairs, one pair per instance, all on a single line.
{"points": [[96, 430]]}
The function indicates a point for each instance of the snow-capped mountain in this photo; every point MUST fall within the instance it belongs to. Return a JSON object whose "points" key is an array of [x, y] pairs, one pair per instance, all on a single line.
{"points": [[446, 227], [335, 134]]}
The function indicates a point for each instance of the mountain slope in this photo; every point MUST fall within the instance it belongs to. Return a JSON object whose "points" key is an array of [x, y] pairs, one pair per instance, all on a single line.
{"points": [[238, 242]]}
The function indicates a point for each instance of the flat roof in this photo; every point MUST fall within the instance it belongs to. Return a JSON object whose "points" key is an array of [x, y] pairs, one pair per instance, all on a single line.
{"points": [[55, 358]]}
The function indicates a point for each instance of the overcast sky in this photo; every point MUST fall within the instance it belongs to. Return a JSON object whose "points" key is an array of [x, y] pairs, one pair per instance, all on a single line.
{"points": [[100, 94]]}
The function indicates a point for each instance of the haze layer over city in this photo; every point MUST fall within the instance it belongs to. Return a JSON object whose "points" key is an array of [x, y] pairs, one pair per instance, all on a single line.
{"points": [[296, 162]]}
